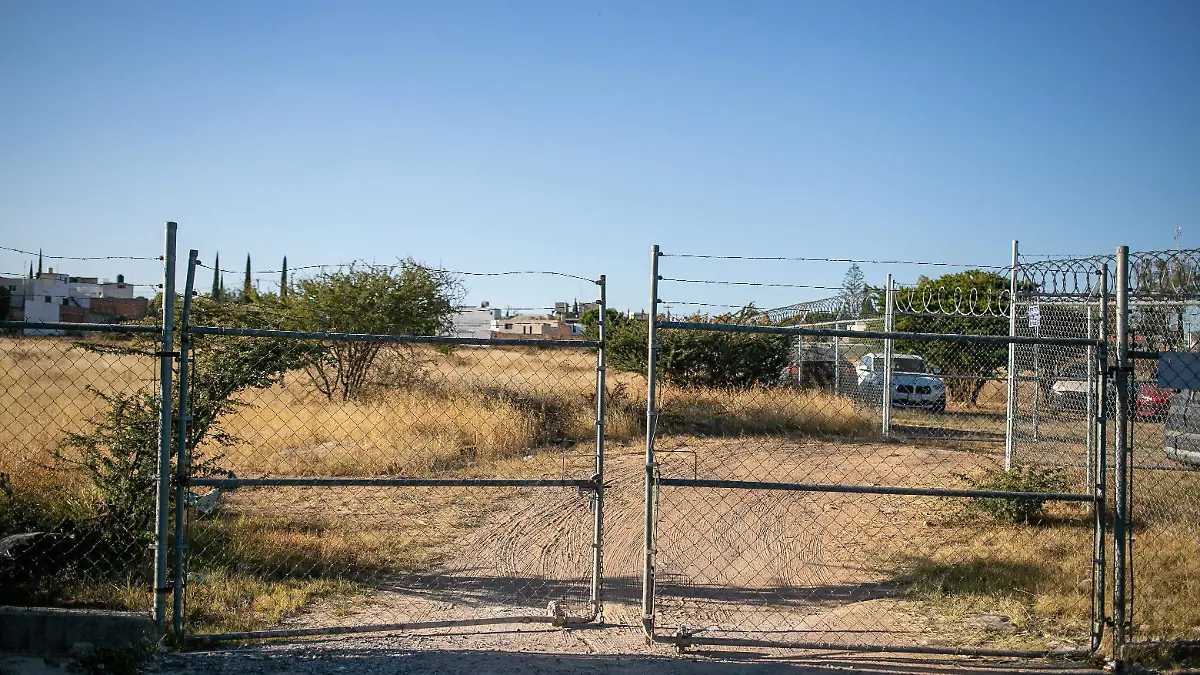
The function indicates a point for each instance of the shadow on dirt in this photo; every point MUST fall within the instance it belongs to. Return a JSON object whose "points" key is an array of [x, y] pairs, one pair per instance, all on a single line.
{"points": [[333, 657]]}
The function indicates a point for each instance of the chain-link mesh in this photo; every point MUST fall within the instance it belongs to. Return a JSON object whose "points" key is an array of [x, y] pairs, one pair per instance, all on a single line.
{"points": [[364, 542], [853, 489], [1163, 513], [1164, 459], [78, 461]]}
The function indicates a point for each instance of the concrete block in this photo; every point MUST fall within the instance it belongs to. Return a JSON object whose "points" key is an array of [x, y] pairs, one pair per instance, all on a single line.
{"points": [[55, 631]]}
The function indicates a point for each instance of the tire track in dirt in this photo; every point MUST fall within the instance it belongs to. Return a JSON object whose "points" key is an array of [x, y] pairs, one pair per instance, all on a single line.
{"points": [[729, 560]]}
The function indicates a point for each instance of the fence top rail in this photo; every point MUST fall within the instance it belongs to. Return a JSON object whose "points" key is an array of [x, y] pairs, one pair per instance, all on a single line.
{"points": [[408, 339], [883, 335], [85, 327]]}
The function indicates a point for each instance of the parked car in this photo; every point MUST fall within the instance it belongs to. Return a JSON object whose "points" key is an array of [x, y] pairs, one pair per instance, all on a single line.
{"points": [[1070, 389], [1152, 402], [914, 384], [1181, 431]]}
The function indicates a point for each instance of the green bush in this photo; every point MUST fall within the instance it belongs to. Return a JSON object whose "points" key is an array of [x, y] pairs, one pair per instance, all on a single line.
{"points": [[118, 453], [698, 358], [1022, 478]]}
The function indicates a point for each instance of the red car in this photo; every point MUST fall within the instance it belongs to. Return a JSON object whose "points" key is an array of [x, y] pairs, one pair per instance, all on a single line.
{"points": [[1151, 402]]}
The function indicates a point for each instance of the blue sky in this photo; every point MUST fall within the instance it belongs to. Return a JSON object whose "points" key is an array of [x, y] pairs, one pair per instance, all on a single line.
{"points": [[571, 136]]}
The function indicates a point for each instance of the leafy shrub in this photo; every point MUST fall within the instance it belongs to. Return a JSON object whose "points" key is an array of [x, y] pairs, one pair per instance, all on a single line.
{"points": [[118, 454], [1022, 478], [404, 299], [694, 358]]}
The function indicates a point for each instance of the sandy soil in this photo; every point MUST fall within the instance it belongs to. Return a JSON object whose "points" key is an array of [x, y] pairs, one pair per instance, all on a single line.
{"points": [[774, 565]]}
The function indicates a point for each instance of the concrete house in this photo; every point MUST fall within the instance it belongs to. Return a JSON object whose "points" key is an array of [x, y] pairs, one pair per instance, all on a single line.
{"points": [[55, 297], [531, 326]]}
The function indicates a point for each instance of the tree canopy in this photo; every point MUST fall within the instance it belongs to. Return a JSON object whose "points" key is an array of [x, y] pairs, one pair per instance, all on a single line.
{"points": [[967, 365]]}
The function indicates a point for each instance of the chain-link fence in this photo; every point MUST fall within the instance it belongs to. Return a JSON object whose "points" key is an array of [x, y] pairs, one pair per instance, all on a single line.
{"points": [[1163, 493], [378, 480], [913, 467], [875, 516], [78, 464], [1144, 306]]}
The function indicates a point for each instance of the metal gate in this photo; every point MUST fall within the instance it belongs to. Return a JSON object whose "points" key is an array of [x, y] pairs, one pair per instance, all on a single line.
{"points": [[779, 514], [1157, 450], [354, 492]]}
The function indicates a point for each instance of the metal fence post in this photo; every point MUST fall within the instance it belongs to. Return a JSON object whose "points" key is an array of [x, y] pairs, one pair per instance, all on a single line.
{"points": [[651, 421], [1010, 423], [1037, 379], [1091, 399], [799, 361], [1100, 489], [889, 325], [183, 453], [837, 366], [1120, 522], [598, 476], [163, 505]]}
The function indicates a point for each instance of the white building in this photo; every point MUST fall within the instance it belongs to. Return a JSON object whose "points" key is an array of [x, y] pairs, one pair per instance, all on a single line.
{"points": [[474, 322], [53, 297]]}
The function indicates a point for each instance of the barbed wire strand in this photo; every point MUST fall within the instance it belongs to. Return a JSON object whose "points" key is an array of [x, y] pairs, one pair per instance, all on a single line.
{"points": [[706, 304], [76, 257], [748, 283], [432, 269], [832, 260]]}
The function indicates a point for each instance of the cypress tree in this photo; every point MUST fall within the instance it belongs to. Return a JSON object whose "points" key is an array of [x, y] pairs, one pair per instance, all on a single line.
{"points": [[247, 285], [283, 289], [39, 262], [216, 289], [30, 270]]}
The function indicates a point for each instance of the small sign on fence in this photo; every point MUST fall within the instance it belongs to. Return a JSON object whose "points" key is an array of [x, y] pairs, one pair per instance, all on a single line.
{"points": [[1035, 316]]}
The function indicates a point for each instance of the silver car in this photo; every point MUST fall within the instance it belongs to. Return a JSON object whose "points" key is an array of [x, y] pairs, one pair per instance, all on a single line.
{"points": [[914, 384], [1181, 430]]}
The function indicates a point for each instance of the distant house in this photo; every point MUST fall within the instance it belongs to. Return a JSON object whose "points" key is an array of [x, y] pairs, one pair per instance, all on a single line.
{"points": [[53, 297], [474, 322], [531, 326]]}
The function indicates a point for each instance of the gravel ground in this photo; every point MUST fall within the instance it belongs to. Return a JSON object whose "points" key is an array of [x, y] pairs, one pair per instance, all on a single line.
{"points": [[573, 652]]}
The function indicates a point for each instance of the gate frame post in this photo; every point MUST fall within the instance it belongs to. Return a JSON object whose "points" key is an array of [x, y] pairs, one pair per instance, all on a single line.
{"points": [[162, 513], [837, 365], [1100, 487], [651, 422], [1090, 468], [889, 325], [1010, 423], [1120, 499], [598, 476], [183, 457]]}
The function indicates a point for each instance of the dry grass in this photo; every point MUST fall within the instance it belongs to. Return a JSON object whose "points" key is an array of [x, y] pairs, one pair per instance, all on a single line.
{"points": [[1038, 574], [230, 601], [760, 410], [46, 391], [520, 412]]}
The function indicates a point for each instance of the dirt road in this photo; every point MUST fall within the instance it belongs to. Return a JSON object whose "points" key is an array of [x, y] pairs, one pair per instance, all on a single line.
{"points": [[786, 566]]}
